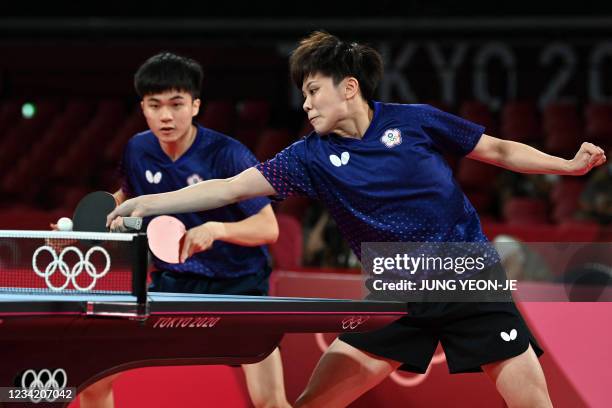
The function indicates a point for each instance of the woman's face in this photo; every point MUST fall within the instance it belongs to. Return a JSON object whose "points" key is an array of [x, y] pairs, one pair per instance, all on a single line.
{"points": [[324, 102]]}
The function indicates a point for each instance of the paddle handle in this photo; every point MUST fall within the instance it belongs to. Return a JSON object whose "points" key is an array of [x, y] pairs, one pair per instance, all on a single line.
{"points": [[132, 223]]}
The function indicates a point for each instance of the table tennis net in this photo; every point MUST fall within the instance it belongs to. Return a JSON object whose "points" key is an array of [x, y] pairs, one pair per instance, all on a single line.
{"points": [[68, 262]]}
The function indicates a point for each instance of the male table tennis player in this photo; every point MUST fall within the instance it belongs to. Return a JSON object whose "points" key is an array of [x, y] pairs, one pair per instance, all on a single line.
{"points": [[379, 169], [225, 245]]}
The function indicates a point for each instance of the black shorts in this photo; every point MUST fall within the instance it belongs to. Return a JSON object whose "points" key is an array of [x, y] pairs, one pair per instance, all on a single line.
{"points": [[256, 284], [471, 333]]}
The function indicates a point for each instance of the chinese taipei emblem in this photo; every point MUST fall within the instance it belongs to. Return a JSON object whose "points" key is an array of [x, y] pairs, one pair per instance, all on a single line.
{"points": [[391, 137]]}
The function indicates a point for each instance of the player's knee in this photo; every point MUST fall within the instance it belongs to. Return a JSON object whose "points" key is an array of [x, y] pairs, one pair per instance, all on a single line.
{"points": [[537, 394], [317, 397], [270, 397], [313, 399], [536, 397], [535, 403], [270, 401]]}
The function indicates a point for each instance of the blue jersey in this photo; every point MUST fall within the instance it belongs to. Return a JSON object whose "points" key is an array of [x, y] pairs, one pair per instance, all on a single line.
{"points": [[393, 185], [146, 169]]}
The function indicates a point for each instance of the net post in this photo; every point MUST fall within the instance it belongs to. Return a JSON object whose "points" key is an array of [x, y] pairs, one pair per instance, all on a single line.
{"points": [[139, 268]]}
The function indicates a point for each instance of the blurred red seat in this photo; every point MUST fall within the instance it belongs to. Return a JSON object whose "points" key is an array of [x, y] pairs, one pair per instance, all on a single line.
{"points": [[219, 116], [560, 114], [114, 145], [578, 231], [248, 137], [25, 132], [482, 201], [523, 210], [565, 198], [563, 128], [287, 251], [270, 142], [520, 122], [563, 141], [599, 124], [295, 206], [26, 218], [479, 113], [253, 114], [568, 188], [475, 175]]}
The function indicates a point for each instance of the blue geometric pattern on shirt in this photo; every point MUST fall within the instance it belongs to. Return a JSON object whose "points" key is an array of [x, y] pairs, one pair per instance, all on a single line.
{"points": [[402, 193], [211, 156]]}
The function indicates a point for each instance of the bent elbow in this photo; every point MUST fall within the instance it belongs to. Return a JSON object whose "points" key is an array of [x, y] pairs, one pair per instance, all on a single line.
{"points": [[273, 232]]}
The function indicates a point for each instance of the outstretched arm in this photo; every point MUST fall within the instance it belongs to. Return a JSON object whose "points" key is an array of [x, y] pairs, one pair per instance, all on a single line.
{"points": [[525, 159], [199, 197]]}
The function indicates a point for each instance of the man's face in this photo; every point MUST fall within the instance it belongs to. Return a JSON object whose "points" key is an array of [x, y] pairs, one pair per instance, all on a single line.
{"points": [[324, 103], [169, 114]]}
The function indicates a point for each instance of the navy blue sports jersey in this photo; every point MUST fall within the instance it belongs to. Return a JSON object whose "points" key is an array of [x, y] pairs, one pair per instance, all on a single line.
{"points": [[146, 169], [393, 185]]}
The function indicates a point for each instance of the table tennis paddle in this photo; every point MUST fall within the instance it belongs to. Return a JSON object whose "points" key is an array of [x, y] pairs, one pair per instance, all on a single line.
{"points": [[165, 235], [90, 213]]}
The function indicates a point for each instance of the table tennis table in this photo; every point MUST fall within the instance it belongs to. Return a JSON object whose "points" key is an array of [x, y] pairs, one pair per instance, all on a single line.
{"points": [[91, 336]]}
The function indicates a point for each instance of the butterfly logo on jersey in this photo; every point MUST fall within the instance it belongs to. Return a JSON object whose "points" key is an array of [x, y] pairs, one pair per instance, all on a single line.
{"points": [[339, 161], [194, 179], [391, 137], [509, 337], [153, 178]]}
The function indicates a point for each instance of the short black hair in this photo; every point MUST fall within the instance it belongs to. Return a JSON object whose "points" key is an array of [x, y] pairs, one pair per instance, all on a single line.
{"points": [[326, 54], [167, 71]]}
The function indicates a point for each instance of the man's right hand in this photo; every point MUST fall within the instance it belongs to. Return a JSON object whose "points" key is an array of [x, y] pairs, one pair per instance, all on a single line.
{"points": [[117, 225]]}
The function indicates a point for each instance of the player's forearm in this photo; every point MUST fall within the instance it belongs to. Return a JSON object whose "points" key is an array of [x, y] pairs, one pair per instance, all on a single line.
{"points": [[258, 229], [203, 196], [522, 158], [525, 159], [517, 157]]}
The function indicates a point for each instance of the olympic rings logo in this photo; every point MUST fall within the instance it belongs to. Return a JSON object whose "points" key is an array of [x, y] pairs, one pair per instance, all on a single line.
{"points": [[52, 383], [71, 275], [352, 322]]}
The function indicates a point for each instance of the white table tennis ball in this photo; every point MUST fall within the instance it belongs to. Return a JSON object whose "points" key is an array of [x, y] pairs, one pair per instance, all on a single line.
{"points": [[64, 224]]}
